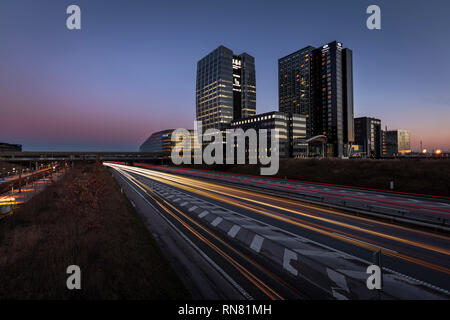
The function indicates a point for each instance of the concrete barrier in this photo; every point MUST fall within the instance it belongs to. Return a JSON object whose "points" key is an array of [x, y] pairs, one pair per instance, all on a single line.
{"points": [[337, 274]]}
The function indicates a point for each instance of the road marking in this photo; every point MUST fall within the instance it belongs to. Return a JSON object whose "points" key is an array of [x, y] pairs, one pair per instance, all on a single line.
{"points": [[192, 208], [287, 258], [184, 203], [257, 243], [334, 249], [203, 214], [234, 230], [216, 221], [338, 278], [241, 290]]}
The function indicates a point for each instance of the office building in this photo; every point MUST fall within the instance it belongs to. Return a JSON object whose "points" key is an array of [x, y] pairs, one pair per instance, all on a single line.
{"points": [[318, 84], [368, 135], [158, 142], [8, 147], [225, 89], [291, 130], [161, 142], [398, 142]]}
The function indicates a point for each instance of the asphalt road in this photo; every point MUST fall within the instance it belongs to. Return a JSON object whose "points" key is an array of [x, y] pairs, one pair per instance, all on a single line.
{"points": [[268, 246], [421, 209]]}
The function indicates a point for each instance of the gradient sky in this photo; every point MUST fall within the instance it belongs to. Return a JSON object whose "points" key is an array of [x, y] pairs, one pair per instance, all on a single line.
{"points": [[131, 70]]}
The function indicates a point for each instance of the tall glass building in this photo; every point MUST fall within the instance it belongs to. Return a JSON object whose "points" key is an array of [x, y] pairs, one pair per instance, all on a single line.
{"points": [[318, 83], [368, 134], [226, 88], [398, 142]]}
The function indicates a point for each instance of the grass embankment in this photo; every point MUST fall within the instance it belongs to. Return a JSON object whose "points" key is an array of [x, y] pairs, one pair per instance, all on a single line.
{"points": [[83, 220], [424, 176]]}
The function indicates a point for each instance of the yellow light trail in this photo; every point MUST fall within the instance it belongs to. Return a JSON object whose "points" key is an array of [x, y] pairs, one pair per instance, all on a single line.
{"points": [[187, 182], [261, 285]]}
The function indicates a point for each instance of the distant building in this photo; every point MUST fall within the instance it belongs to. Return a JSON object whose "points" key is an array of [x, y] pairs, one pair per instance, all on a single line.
{"points": [[8, 147], [398, 142], [368, 135], [161, 142], [291, 130], [318, 84], [158, 142], [226, 88]]}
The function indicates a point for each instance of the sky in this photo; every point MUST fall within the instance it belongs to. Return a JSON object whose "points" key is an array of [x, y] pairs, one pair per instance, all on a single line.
{"points": [[131, 69]]}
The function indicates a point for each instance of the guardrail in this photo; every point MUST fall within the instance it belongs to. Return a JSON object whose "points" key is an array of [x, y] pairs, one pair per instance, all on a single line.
{"points": [[434, 221], [338, 275]]}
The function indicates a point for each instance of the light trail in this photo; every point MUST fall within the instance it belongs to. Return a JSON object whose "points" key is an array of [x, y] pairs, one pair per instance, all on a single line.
{"points": [[398, 204], [213, 189], [211, 172], [231, 192], [260, 284]]}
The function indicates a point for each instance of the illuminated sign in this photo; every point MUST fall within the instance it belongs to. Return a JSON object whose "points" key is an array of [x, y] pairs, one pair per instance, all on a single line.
{"points": [[237, 74]]}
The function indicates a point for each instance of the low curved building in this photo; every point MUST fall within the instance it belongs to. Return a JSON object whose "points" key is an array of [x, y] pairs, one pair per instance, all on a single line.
{"points": [[158, 142]]}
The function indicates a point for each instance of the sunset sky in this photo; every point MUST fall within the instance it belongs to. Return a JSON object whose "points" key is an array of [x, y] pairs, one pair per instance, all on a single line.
{"points": [[131, 70]]}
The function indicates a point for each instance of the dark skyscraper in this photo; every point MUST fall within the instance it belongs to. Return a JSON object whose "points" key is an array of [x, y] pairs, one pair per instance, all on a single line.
{"points": [[318, 83], [226, 88], [294, 84], [368, 134]]}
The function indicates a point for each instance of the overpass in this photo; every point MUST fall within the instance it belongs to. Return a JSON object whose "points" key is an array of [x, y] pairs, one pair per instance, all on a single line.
{"points": [[82, 156]]}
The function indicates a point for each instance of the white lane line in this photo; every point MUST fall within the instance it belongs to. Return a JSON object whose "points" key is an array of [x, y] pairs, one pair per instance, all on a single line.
{"points": [[257, 243], [234, 230], [203, 214], [338, 278], [299, 238], [241, 290], [184, 203], [192, 208], [371, 244], [216, 221], [287, 258]]}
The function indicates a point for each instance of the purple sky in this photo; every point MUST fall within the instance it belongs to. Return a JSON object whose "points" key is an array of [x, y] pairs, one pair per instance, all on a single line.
{"points": [[130, 71]]}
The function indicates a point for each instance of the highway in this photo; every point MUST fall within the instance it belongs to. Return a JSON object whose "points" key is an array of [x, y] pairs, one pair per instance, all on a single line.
{"points": [[422, 210], [272, 246]]}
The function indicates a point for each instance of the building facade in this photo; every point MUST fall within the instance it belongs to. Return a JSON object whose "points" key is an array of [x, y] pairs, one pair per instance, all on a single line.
{"points": [[291, 130], [161, 142], [368, 135], [318, 84], [398, 142], [225, 88], [158, 142], [8, 147]]}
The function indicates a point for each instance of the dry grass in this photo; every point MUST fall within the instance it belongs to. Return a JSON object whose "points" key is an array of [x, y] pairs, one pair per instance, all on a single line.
{"points": [[83, 219]]}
